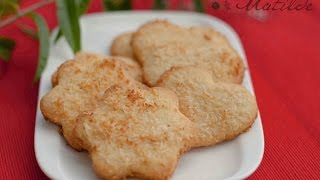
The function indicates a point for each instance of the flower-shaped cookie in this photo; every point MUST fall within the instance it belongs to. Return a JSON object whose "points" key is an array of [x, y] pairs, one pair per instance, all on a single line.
{"points": [[160, 45], [84, 60], [79, 83], [135, 132]]}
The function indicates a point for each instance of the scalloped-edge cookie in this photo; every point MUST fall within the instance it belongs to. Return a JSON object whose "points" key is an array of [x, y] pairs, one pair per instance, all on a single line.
{"points": [[129, 64], [221, 111], [80, 83], [135, 132], [159, 45]]}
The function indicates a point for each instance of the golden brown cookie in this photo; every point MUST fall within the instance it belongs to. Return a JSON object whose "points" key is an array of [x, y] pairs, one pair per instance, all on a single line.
{"points": [[135, 132], [133, 68], [160, 45], [80, 83], [121, 45], [221, 111]]}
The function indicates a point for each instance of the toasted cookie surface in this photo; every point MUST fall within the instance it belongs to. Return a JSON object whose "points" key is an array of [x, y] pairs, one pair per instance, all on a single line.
{"points": [[160, 45], [131, 66], [121, 45], [135, 132], [80, 83], [221, 111], [83, 59]]}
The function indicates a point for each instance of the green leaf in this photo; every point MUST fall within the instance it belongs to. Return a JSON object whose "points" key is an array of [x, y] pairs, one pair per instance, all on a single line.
{"points": [[8, 7], [83, 6], [44, 34], [68, 17], [28, 31], [159, 4], [6, 48], [58, 36], [115, 5], [198, 5]]}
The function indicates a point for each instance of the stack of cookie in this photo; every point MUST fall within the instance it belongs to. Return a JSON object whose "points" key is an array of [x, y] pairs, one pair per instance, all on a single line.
{"points": [[165, 90]]}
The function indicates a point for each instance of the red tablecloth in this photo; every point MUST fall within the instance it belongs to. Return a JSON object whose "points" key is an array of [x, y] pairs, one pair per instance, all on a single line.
{"points": [[284, 58]]}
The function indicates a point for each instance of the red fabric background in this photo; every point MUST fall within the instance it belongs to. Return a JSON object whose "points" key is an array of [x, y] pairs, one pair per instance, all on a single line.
{"points": [[284, 58]]}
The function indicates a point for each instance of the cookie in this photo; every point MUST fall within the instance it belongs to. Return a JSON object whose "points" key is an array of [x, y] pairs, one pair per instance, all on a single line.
{"points": [[160, 45], [221, 111], [80, 83], [135, 132], [121, 45], [131, 66]]}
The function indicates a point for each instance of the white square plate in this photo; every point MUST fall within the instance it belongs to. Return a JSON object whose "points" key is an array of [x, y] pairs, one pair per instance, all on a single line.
{"points": [[235, 159]]}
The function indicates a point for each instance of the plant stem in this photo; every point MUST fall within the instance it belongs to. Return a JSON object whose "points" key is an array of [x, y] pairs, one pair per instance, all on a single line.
{"points": [[25, 12]]}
